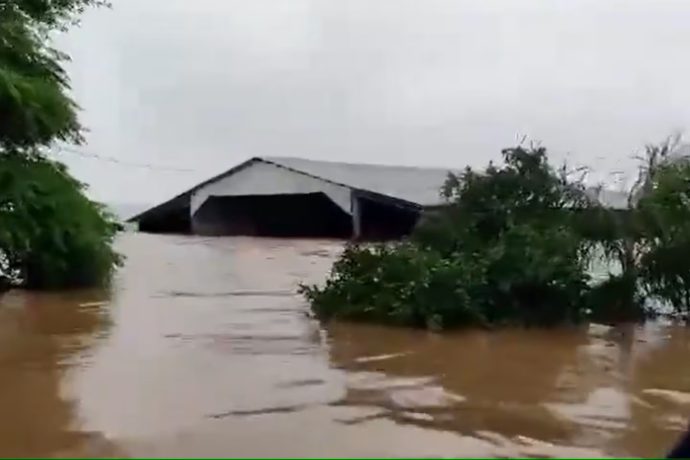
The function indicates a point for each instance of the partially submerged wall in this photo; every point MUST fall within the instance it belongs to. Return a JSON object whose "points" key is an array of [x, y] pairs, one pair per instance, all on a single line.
{"points": [[293, 215], [173, 220]]}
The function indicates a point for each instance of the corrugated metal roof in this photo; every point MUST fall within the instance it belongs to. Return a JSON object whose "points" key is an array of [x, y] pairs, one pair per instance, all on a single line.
{"points": [[412, 184], [417, 185]]}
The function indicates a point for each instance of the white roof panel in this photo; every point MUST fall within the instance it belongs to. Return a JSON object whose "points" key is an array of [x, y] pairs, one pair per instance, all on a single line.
{"points": [[417, 185]]}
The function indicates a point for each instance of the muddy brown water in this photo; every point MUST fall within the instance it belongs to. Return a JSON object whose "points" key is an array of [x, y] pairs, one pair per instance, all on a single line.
{"points": [[202, 348]]}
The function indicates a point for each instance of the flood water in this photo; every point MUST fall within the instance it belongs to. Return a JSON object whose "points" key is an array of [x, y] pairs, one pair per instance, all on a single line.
{"points": [[204, 349]]}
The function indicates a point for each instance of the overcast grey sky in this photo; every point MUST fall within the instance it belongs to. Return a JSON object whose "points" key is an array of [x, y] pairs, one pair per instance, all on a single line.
{"points": [[205, 84]]}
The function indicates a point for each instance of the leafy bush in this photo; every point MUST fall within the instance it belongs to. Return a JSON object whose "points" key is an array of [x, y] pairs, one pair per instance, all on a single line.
{"points": [[648, 240], [502, 252], [398, 284], [51, 235]]}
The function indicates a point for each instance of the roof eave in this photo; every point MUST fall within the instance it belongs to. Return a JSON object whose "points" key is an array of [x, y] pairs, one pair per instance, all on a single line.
{"points": [[188, 193]]}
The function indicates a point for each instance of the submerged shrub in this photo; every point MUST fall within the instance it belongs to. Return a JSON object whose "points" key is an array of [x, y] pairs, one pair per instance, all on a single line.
{"points": [[51, 234], [501, 252], [398, 284], [665, 265], [513, 245]]}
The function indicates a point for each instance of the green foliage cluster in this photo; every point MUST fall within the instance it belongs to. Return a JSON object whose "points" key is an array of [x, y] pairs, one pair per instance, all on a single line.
{"points": [[504, 251], [664, 265], [402, 285], [649, 239], [35, 107], [51, 234], [514, 245]]}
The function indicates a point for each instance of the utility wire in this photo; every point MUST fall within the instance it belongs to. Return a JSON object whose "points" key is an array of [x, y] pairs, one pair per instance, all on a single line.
{"points": [[91, 155]]}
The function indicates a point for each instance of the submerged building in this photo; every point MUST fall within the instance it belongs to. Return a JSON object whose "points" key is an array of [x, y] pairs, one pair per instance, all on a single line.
{"points": [[294, 197]]}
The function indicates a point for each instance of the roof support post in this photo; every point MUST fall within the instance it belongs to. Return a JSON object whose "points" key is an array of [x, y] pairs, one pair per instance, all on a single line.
{"points": [[356, 208]]}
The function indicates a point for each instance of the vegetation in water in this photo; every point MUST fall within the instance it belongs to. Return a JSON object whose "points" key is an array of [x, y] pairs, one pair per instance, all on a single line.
{"points": [[648, 238], [514, 245], [503, 251], [664, 264], [51, 234]]}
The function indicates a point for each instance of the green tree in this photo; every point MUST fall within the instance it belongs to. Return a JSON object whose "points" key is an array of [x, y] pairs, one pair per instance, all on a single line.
{"points": [[51, 235]]}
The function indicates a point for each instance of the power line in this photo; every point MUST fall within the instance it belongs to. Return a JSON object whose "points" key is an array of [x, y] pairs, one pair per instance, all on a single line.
{"points": [[91, 155]]}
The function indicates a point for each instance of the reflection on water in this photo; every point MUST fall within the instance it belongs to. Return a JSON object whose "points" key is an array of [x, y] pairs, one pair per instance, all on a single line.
{"points": [[42, 337], [204, 349]]}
